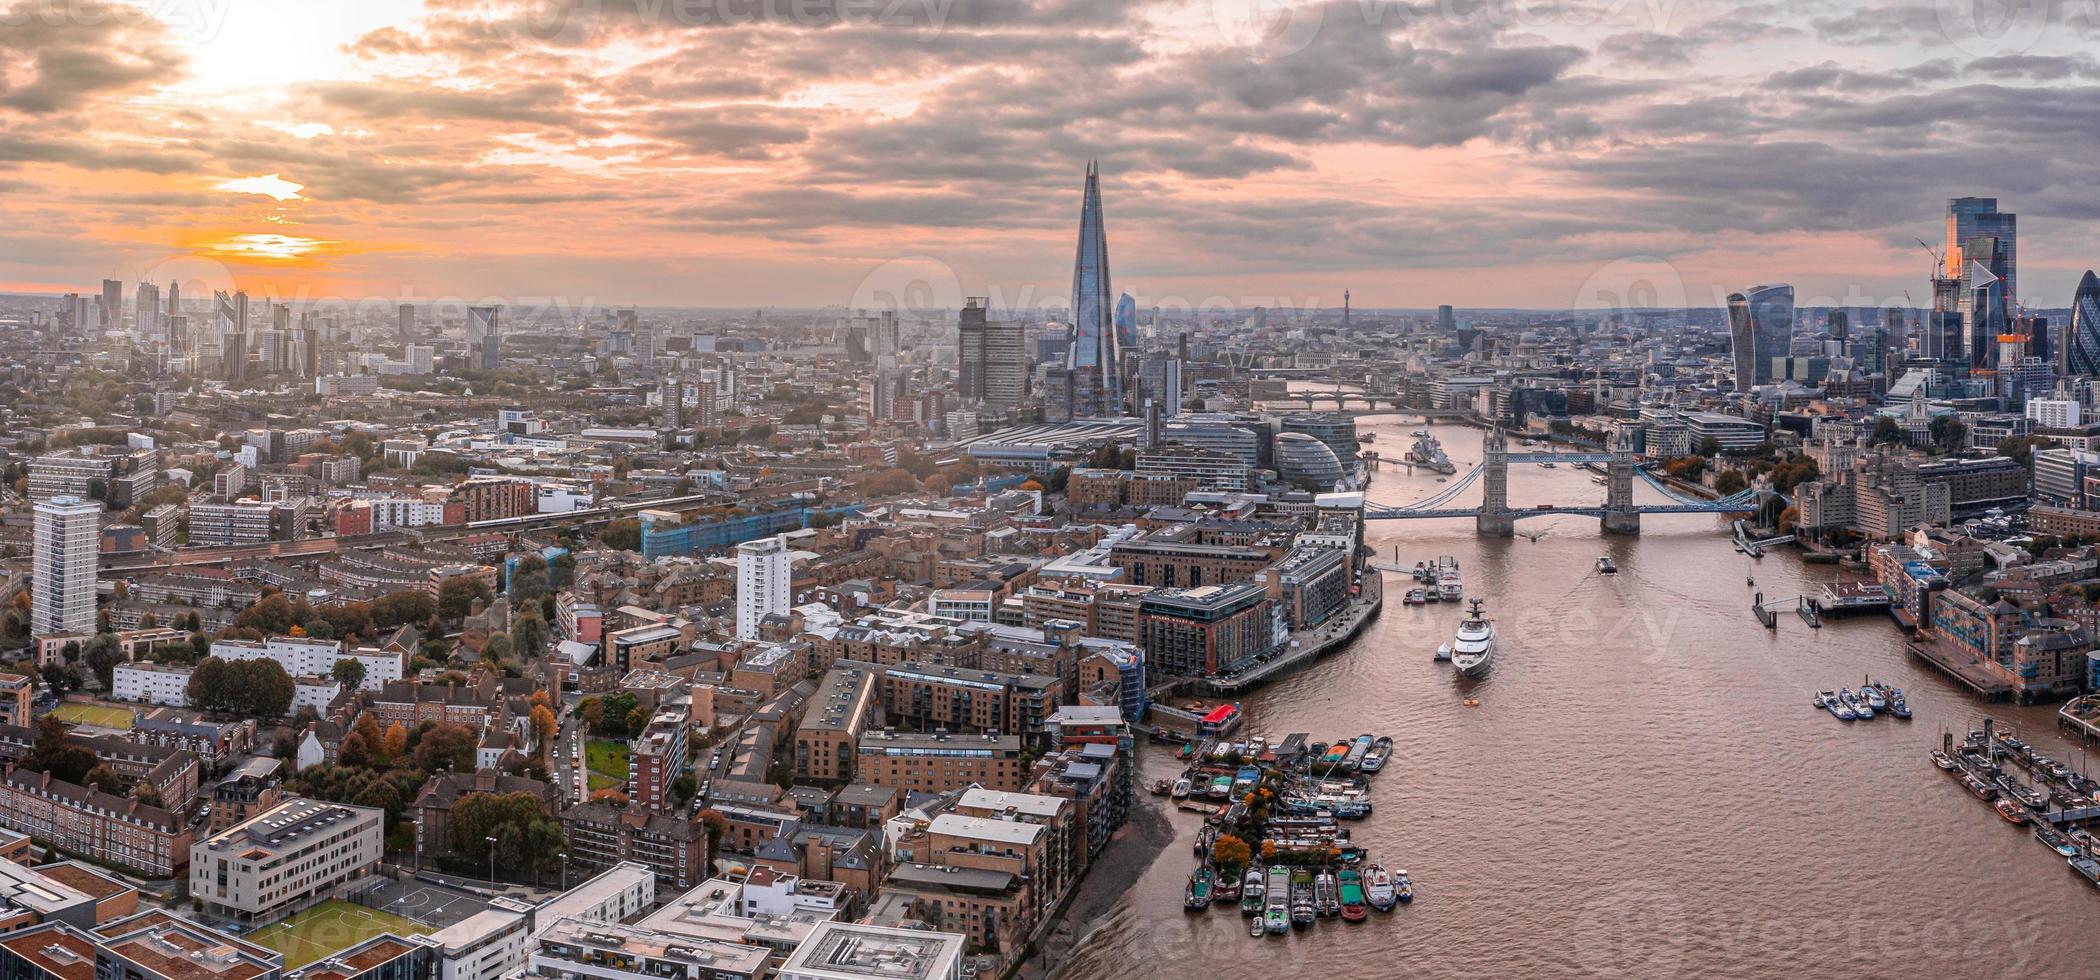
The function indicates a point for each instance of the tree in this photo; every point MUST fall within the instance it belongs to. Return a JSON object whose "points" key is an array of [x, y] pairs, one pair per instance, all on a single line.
{"points": [[1948, 433], [1709, 446], [103, 655], [395, 742], [592, 711], [102, 777], [622, 535], [544, 724], [1230, 851], [1729, 483], [457, 596], [52, 752], [355, 751], [529, 634], [271, 616], [448, 746], [349, 672], [496, 648], [399, 609], [610, 797], [1886, 431]]}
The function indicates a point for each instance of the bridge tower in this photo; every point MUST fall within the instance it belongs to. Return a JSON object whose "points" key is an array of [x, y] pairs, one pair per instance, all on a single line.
{"points": [[1619, 515], [1494, 519]]}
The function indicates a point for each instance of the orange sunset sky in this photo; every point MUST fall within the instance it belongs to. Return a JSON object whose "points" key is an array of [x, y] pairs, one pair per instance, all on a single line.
{"points": [[1260, 152]]}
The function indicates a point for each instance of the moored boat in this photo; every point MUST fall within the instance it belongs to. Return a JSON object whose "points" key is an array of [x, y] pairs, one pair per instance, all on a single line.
{"points": [[1374, 760], [1416, 597], [1443, 653], [1276, 898], [2055, 841], [1327, 895], [1942, 760], [1196, 897], [1302, 910], [1253, 893], [2011, 811], [1378, 889], [1161, 787], [1181, 788], [1354, 908], [1403, 886], [1605, 566]]}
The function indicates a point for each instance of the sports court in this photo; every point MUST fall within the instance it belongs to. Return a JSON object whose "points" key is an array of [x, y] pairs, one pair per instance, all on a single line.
{"points": [[431, 906], [328, 929], [99, 715]]}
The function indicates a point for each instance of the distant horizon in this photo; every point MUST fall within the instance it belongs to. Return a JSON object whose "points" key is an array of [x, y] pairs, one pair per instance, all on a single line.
{"points": [[1336, 310]]}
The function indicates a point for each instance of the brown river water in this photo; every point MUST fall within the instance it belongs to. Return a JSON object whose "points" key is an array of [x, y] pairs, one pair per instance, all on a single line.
{"points": [[1644, 789]]}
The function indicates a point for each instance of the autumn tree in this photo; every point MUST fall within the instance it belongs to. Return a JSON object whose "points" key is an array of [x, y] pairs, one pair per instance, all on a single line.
{"points": [[395, 744], [1231, 852], [448, 746]]}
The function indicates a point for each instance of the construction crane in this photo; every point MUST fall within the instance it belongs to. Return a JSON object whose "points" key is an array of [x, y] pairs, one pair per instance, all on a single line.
{"points": [[1939, 260]]}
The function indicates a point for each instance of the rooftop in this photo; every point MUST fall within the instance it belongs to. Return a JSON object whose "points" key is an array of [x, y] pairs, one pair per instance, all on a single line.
{"points": [[290, 824], [845, 951]]}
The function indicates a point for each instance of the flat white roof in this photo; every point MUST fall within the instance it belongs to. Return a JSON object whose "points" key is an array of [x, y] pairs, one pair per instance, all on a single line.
{"points": [[981, 828]]}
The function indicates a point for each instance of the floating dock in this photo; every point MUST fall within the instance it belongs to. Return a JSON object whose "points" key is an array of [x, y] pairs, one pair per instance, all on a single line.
{"points": [[1838, 598]]}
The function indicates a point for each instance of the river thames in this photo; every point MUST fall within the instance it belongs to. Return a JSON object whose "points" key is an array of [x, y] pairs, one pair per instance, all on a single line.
{"points": [[1644, 788]]}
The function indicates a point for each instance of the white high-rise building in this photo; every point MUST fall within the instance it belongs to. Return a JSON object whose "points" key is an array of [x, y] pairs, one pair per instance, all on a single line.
{"points": [[62, 598], [763, 571]]}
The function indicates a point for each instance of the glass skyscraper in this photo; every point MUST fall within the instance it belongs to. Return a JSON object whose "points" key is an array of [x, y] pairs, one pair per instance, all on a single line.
{"points": [[1093, 359], [1970, 217], [1760, 328], [2084, 346], [1126, 323]]}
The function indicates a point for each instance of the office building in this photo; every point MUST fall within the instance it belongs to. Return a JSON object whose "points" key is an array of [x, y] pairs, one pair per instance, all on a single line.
{"points": [[112, 304], [763, 571], [1094, 362], [1971, 217], [405, 323], [1760, 328], [289, 857], [62, 593], [1210, 469], [484, 337], [2082, 350], [1304, 461]]}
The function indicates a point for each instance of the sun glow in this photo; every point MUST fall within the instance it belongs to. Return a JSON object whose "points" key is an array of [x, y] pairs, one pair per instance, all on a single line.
{"points": [[264, 246], [268, 185]]}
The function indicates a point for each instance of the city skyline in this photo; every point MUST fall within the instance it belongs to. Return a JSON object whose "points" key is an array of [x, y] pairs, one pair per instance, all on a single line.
{"points": [[502, 150]]}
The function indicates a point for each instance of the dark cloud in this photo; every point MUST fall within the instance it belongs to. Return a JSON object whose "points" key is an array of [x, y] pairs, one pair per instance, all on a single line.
{"points": [[57, 59]]}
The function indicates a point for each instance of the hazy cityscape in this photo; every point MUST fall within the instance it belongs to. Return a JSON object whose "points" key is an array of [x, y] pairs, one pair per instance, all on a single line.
{"points": [[529, 490]]}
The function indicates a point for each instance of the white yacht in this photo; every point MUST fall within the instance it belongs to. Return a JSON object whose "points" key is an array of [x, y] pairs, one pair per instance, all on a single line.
{"points": [[1473, 649]]}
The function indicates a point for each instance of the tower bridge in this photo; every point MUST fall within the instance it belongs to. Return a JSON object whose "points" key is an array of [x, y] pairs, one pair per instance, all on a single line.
{"points": [[1619, 515]]}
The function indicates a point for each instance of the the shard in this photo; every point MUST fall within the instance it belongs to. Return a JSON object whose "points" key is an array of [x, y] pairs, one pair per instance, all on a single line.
{"points": [[1093, 360]]}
